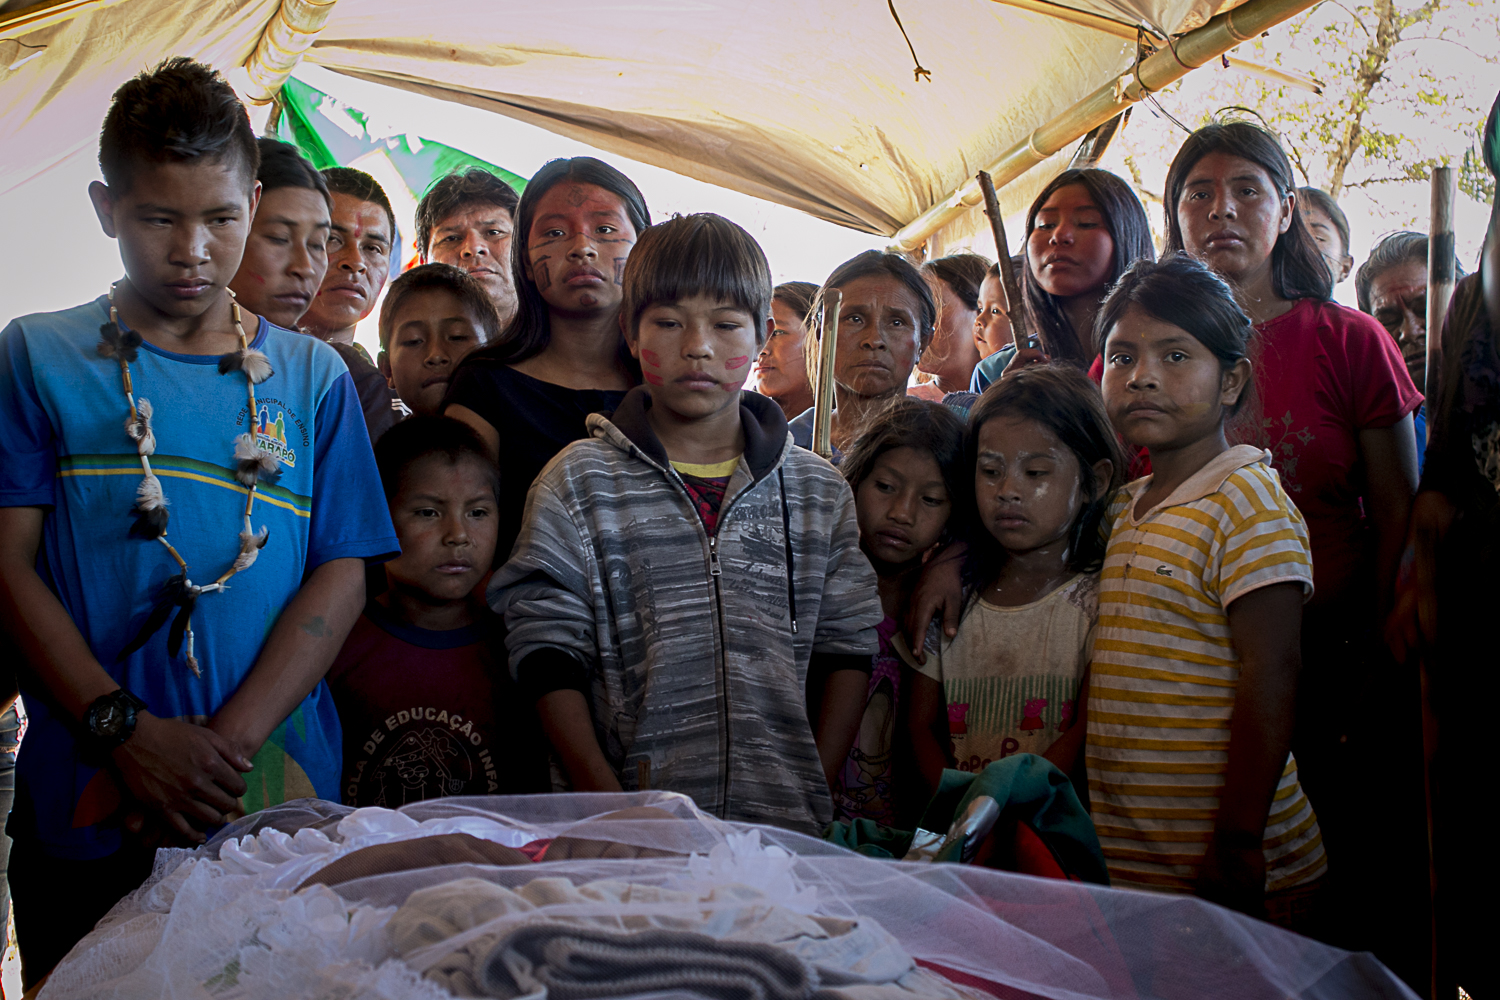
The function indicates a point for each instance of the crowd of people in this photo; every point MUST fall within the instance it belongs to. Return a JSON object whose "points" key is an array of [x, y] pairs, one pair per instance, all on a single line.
{"points": [[565, 532]]}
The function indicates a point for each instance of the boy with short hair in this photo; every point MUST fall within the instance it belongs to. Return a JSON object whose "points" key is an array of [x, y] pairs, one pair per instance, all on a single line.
{"points": [[286, 256], [467, 219], [686, 581], [433, 316], [168, 456], [425, 712]]}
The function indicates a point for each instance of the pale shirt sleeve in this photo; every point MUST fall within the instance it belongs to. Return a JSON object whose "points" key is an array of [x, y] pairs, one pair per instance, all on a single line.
{"points": [[1265, 537]]}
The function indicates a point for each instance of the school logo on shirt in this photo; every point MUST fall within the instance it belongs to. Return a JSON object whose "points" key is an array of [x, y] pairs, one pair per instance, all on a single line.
{"points": [[270, 435]]}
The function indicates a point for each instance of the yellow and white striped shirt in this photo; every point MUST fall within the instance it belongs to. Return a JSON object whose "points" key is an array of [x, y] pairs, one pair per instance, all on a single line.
{"points": [[1165, 669]]}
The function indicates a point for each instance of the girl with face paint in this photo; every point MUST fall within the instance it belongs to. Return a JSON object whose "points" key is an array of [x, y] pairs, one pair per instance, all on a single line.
{"points": [[562, 356], [1043, 462]]}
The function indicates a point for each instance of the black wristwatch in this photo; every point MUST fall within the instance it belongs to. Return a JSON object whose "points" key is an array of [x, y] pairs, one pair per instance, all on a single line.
{"points": [[110, 720]]}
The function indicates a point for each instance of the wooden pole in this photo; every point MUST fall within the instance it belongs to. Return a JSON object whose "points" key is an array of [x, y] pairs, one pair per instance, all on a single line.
{"points": [[1010, 284], [828, 336], [1440, 276]]}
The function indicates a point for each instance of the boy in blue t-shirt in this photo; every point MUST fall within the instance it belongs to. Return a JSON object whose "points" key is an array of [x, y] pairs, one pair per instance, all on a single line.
{"points": [[187, 501]]}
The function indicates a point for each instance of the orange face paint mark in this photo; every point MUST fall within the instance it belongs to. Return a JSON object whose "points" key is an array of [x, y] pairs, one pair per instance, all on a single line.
{"points": [[652, 379], [739, 362]]}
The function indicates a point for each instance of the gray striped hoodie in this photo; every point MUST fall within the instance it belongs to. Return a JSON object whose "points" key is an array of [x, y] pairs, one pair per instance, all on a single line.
{"points": [[694, 652]]}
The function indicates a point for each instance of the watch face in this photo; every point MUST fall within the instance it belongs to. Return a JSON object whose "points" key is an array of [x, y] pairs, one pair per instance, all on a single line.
{"points": [[110, 721]]}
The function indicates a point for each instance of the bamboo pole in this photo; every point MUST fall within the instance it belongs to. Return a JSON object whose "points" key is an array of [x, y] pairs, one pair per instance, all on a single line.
{"points": [[1441, 253], [1222, 33], [16, 24], [1010, 285], [1131, 32], [828, 336], [290, 33]]}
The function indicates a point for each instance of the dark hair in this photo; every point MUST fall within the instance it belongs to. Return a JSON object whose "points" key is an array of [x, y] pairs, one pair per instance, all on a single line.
{"points": [[530, 330], [909, 422], [458, 190], [465, 287], [962, 272], [702, 254], [282, 165], [1064, 400], [180, 111], [416, 438], [1129, 230], [797, 296], [358, 184], [1182, 290], [1297, 267], [1393, 250], [1323, 202], [878, 263]]}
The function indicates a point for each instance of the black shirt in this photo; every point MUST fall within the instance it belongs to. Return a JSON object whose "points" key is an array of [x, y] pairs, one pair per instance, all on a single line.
{"points": [[535, 421]]}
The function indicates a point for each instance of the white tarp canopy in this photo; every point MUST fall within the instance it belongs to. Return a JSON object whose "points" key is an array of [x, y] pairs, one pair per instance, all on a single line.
{"points": [[809, 104]]}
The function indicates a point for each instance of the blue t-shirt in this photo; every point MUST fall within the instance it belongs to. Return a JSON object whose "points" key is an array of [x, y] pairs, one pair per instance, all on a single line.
{"points": [[64, 447]]}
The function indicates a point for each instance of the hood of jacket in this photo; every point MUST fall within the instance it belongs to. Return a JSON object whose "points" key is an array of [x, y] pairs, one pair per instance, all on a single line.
{"points": [[766, 440]]}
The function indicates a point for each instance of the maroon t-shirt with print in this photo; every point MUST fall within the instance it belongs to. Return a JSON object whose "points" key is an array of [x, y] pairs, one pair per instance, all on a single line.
{"points": [[422, 712]]}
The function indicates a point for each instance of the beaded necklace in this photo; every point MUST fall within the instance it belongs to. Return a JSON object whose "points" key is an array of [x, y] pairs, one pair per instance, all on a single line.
{"points": [[150, 509]]}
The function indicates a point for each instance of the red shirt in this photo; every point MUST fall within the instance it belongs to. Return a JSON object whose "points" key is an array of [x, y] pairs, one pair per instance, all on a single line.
{"points": [[418, 712], [1323, 373]]}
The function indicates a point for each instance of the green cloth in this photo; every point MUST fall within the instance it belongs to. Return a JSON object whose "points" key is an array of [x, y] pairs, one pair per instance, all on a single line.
{"points": [[1029, 790]]}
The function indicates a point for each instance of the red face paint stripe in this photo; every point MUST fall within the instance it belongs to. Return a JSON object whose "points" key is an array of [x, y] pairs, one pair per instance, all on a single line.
{"points": [[652, 379], [651, 358], [739, 362]]}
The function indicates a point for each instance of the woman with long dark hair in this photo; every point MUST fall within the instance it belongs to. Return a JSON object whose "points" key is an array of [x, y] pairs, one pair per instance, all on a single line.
{"points": [[562, 357], [1082, 232], [1333, 403]]}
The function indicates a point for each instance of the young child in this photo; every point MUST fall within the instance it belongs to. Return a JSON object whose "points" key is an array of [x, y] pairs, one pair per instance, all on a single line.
{"points": [[906, 475], [685, 576], [1044, 463], [424, 711], [168, 456], [433, 316], [1195, 661]]}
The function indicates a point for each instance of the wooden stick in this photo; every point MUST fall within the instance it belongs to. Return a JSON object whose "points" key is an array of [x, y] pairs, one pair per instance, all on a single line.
{"points": [[1440, 276], [1010, 285], [828, 335]]}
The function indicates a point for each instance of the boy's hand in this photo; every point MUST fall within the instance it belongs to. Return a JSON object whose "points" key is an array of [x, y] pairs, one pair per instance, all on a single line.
{"points": [[186, 771], [1233, 874]]}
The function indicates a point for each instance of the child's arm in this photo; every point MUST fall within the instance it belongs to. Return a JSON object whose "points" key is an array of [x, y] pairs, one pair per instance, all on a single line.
{"points": [[179, 768], [570, 727], [1266, 628], [301, 647], [1064, 752], [927, 725], [839, 715], [939, 591]]}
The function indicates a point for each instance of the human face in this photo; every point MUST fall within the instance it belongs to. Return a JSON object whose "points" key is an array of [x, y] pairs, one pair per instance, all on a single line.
{"points": [[879, 336], [444, 515], [695, 355], [781, 367], [359, 258], [991, 326], [1163, 389], [286, 255], [952, 354], [182, 229], [476, 239], [1028, 485], [430, 334], [1326, 235], [1231, 215], [902, 506], [1070, 249], [1398, 299], [576, 250]]}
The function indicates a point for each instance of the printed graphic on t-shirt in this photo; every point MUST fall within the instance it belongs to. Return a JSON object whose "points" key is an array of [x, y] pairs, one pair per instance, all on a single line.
{"points": [[990, 718], [420, 753]]}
